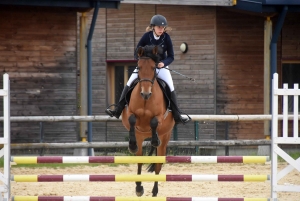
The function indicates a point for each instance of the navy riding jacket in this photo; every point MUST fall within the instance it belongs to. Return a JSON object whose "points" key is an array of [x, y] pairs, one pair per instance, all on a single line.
{"points": [[164, 41]]}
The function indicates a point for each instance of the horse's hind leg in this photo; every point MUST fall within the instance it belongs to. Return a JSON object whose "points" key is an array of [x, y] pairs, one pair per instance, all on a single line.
{"points": [[161, 151], [155, 186], [139, 189], [155, 142], [132, 139]]}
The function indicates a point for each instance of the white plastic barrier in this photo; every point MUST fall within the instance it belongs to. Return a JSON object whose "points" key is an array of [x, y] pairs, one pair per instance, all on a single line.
{"points": [[279, 138], [5, 151]]}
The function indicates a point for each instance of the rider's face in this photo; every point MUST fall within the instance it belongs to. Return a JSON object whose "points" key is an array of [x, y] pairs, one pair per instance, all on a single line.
{"points": [[159, 30]]}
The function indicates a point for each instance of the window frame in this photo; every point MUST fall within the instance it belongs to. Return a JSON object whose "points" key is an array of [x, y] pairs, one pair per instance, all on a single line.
{"points": [[285, 62], [110, 77]]}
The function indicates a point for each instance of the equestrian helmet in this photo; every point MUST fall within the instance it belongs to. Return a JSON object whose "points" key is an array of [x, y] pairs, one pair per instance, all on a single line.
{"points": [[158, 20]]}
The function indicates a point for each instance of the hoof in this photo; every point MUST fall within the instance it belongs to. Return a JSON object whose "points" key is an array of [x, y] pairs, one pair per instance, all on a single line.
{"points": [[139, 191], [133, 148], [155, 143]]}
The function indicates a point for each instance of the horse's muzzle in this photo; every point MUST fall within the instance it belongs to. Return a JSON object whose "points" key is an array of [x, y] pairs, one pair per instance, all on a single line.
{"points": [[146, 96]]}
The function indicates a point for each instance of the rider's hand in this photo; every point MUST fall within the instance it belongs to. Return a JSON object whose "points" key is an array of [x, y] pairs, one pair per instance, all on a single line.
{"points": [[160, 65]]}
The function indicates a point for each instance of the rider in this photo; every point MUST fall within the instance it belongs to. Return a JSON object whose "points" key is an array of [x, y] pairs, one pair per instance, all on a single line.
{"points": [[155, 35]]}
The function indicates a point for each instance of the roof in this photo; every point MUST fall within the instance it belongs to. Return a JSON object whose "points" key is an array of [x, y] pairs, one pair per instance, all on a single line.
{"points": [[267, 6], [81, 4], [184, 2], [281, 2]]}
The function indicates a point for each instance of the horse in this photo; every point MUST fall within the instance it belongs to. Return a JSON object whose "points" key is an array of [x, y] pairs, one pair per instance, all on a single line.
{"points": [[147, 115]]}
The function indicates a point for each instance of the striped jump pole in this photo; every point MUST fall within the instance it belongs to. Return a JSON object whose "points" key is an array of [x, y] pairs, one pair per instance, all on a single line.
{"points": [[132, 178], [139, 159], [94, 198]]}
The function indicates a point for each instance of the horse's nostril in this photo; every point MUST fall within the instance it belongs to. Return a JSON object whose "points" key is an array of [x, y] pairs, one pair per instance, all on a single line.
{"points": [[146, 96]]}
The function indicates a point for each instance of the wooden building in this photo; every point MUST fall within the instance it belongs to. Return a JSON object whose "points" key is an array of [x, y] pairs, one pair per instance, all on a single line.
{"points": [[226, 56], [38, 49]]}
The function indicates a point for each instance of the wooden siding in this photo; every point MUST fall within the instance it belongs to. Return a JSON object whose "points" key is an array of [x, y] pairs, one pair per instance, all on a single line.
{"points": [[240, 70], [120, 33], [38, 51], [99, 52], [143, 15]]}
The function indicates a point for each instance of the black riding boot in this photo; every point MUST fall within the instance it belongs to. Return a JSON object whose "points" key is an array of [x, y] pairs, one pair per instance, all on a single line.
{"points": [[119, 106], [176, 112]]}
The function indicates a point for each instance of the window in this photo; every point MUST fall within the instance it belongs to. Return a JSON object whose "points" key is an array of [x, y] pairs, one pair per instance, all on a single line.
{"points": [[291, 76], [118, 74]]}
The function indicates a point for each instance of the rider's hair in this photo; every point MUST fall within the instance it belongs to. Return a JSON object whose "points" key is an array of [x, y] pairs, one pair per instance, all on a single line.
{"points": [[151, 27]]}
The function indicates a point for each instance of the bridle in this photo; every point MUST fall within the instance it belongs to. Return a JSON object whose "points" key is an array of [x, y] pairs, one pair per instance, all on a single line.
{"points": [[146, 79]]}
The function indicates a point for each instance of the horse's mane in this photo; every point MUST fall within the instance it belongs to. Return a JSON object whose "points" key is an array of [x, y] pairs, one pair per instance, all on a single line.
{"points": [[148, 52]]}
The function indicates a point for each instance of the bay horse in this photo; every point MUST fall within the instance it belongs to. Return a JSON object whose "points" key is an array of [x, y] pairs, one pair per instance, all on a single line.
{"points": [[147, 115]]}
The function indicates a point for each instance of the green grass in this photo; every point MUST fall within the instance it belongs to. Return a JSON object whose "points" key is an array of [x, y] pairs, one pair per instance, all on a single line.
{"points": [[294, 155]]}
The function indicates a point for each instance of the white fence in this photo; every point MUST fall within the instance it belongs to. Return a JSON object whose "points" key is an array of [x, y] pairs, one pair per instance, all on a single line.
{"points": [[278, 139], [5, 151]]}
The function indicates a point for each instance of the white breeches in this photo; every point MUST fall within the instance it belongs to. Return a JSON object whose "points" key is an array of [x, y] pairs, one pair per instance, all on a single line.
{"points": [[162, 73]]}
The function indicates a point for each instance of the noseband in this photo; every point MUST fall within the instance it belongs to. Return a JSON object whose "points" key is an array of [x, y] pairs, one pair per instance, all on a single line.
{"points": [[146, 79]]}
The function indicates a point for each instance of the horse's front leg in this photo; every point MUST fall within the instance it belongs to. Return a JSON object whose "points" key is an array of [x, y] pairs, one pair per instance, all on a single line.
{"points": [[133, 148], [155, 142]]}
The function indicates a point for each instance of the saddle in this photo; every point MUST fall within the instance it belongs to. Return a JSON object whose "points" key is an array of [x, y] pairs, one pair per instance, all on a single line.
{"points": [[163, 85]]}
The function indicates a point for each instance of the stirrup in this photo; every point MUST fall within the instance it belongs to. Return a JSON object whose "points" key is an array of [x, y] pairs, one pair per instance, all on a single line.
{"points": [[182, 119], [185, 120], [110, 112]]}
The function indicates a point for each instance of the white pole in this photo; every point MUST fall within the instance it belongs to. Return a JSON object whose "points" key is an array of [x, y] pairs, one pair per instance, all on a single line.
{"points": [[296, 112], [274, 135], [6, 139], [105, 118]]}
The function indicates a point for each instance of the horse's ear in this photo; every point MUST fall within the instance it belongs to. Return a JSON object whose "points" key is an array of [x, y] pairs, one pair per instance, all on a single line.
{"points": [[155, 50], [140, 51]]}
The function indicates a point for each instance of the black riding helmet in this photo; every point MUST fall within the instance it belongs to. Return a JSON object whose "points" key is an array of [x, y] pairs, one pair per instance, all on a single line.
{"points": [[158, 20]]}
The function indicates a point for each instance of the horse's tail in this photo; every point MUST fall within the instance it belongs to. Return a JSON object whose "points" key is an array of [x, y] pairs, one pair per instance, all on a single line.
{"points": [[151, 167]]}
